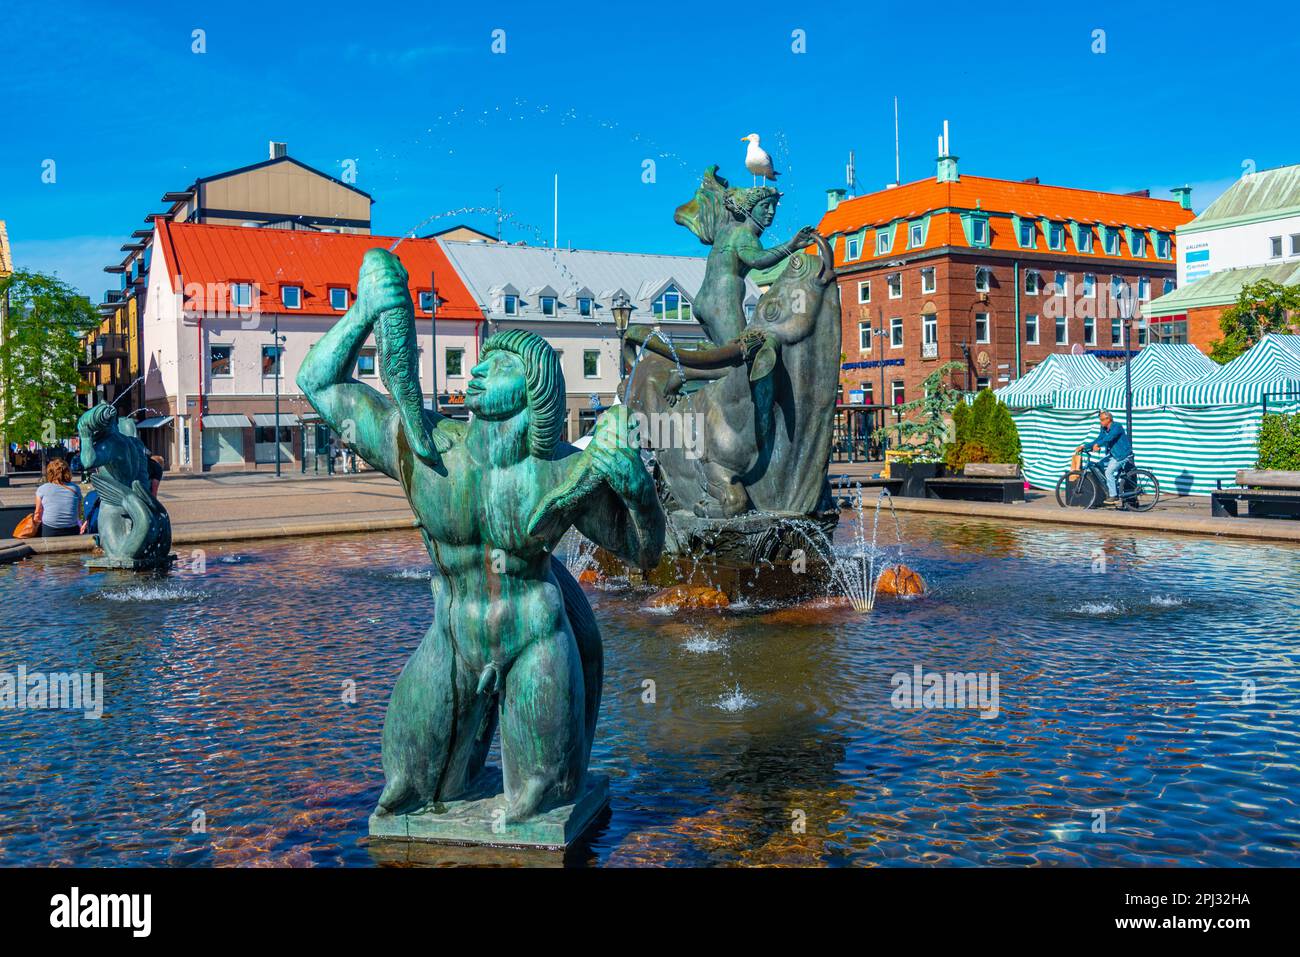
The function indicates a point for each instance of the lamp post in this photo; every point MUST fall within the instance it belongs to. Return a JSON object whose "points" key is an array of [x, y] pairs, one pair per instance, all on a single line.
{"points": [[621, 309], [1125, 303]]}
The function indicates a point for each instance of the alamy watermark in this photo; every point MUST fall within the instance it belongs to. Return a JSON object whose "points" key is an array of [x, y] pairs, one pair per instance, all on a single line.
{"points": [[24, 690], [954, 689]]}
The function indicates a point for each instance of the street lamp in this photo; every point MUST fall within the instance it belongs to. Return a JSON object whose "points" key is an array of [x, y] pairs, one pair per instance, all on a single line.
{"points": [[621, 309], [1124, 301]]}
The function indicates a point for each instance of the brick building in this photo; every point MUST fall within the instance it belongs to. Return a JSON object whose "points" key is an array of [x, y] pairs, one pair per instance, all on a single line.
{"points": [[995, 274]]}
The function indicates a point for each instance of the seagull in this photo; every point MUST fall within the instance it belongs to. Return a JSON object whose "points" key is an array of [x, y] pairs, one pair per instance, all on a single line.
{"points": [[757, 159]]}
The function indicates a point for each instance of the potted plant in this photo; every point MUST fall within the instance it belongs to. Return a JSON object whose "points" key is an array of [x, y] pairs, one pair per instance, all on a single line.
{"points": [[983, 432], [922, 432]]}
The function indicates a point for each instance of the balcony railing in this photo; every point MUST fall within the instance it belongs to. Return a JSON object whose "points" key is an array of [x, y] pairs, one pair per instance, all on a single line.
{"points": [[929, 350], [110, 345]]}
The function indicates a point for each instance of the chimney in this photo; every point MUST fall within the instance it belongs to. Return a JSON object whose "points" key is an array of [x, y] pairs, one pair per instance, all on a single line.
{"points": [[947, 172], [1184, 195], [1031, 180], [1144, 193], [278, 150], [834, 197]]}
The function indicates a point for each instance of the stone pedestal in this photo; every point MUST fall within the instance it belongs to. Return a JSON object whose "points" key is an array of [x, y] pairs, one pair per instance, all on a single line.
{"points": [[130, 564], [479, 819]]}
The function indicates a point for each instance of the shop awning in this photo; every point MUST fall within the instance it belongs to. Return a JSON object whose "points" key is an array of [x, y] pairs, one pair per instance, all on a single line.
{"points": [[157, 422], [225, 422], [267, 419]]}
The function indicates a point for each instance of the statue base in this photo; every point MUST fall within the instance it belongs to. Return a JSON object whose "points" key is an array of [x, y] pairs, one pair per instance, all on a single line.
{"points": [[748, 539], [130, 564], [479, 818]]}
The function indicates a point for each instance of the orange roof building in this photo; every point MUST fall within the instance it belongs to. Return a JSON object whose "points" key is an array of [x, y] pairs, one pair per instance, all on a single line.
{"points": [[994, 274]]}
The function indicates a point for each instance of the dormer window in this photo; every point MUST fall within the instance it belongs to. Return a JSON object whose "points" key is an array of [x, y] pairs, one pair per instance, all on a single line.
{"points": [[1026, 234], [672, 305], [584, 306], [1112, 242], [852, 247], [548, 306], [338, 298], [510, 305], [426, 301], [1162, 245], [1084, 241], [1055, 236], [884, 240], [1138, 245], [915, 235], [241, 294], [979, 230], [291, 297]]}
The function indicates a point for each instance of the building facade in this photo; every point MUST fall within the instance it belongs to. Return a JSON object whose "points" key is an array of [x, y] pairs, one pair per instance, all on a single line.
{"points": [[230, 315], [1249, 234], [279, 193], [564, 295], [994, 274]]}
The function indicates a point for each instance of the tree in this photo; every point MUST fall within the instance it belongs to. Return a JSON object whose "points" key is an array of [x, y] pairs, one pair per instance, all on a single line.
{"points": [[984, 432], [924, 435], [1261, 307], [39, 353]]}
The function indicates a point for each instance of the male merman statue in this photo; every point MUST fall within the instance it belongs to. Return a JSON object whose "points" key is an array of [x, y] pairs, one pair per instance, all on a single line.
{"points": [[513, 639]]}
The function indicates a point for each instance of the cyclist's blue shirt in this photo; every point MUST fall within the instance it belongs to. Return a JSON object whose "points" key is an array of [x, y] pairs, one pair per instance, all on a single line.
{"points": [[1114, 442]]}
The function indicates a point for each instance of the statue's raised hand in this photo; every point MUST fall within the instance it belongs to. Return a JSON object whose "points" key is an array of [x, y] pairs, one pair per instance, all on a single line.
{"points": [[804, 237], [382, 285]]}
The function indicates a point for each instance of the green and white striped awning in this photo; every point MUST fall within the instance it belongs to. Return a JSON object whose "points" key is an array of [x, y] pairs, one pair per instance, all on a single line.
{"points": [[1058, 371], [1154, 366], [1271, 366]]}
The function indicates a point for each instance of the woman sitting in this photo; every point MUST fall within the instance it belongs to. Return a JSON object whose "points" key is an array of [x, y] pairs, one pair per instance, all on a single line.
{"points": [[58, 501]]}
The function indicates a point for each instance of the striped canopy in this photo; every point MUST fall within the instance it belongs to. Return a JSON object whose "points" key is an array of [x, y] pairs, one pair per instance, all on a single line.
{"points": [[1058, 371], [1155, 366], [1271, 366]]}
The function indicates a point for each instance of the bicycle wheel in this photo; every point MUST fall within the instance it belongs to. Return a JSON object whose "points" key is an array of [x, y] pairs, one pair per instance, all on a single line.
{"points": [[1077, 489], [1141, 490]]}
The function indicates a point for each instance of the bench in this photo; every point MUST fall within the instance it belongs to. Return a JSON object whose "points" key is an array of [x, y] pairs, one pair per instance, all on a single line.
{"points": [[976, 489], [1267, 494]]}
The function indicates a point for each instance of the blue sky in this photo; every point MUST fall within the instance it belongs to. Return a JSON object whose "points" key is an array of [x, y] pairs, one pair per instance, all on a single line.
{"points": [[435, 120]]}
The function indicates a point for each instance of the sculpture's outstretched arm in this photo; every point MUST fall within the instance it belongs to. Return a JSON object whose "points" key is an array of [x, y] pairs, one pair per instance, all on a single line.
{"points": [[753, 255], [364, 416]]}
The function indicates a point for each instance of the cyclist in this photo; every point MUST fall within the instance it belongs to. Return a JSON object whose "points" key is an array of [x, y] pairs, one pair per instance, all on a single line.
{"points": [[1118, 450]]}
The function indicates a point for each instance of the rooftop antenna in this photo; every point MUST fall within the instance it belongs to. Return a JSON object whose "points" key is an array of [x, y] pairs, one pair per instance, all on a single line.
{"points": [[498, 214], [850, 175], [898, 178], [555, 223]]}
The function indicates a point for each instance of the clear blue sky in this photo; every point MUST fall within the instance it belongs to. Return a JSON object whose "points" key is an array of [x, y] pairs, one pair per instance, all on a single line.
{"points": [[1185, 92]]}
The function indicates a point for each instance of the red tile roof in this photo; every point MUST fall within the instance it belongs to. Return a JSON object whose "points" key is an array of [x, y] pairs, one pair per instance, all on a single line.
{"points": [[998, 196], [316, 261]]}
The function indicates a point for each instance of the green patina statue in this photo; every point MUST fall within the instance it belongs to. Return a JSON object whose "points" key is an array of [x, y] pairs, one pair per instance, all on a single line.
{"points": [[134, 528], [513, 640]]}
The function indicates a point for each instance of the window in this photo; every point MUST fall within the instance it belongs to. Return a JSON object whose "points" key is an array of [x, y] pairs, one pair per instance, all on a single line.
{"points": [[591, 363], [1162, 245], [426, 301], [927, 279], [896, 332], [1142, 332], [1031, 329], [271, 360], [1274, 249], [1144, 289], [1116, 332], [1031, 282], [241, 293], [584, 306], [868, 394], [981, 383], [291, 297], [915, 235], [366, 364], [1089, 331], [1061, 283], [1169, 286], [1112, 240], [548, 305], [672, 305], [1085, 239], [219, 358], [979, 231], [1089, 286], [895, 282], [454, 360], [1027, 234], [864, 337], [1055, 236], [884, 240], [929, 336], [981, 327], [1116, 288], [510, 305], [898, 392], [1138, 245], [1295, 244], [864, 292], [1062, 331], [338, 298], [852, 247], [981, 279]]}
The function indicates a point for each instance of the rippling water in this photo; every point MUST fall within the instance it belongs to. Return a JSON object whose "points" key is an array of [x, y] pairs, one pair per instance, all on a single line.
{"points": [[1148, 702]]}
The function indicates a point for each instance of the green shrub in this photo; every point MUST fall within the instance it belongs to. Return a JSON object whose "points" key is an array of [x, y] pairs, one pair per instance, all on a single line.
{"points": [[985, 432], [1279, 442]]}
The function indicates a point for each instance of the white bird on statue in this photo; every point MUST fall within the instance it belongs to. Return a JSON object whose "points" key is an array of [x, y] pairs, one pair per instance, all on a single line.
{"points": [[757, 160]]}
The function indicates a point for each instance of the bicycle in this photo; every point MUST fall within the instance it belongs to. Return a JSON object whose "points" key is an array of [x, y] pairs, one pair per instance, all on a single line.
{"points": [[1085, 487]]}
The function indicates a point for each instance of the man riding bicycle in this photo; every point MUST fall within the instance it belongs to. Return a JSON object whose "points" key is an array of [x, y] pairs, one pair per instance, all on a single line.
{"points": [[1117, 448]]}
